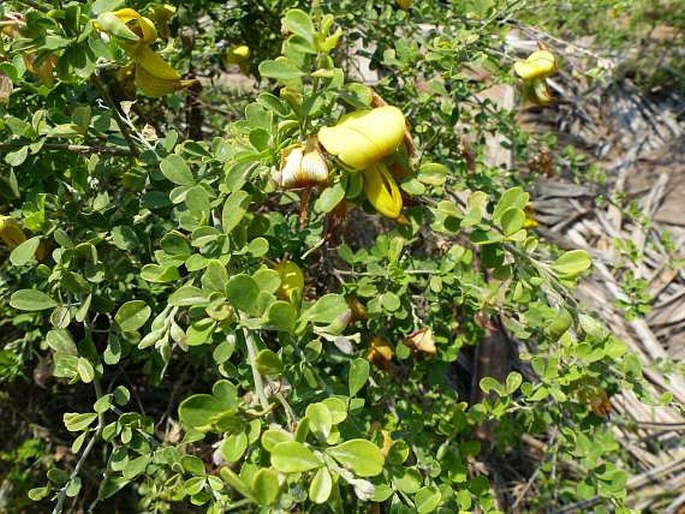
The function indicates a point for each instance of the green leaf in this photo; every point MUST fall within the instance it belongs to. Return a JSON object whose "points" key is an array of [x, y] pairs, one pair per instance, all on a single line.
{"points": [[38, 493], [227, 395], [433, 174], [281, 316], [136, 466], [17, 157], [31, 300], [293, 457], [427, 499], [242, 292], [103, 403], [175, 243], [330, 197], [75, 422], [320, 419], [234, 210], [268, 363], [60, 341], [363, 457], [132, 315], [407, 480], [175, 169], [337, 408], [514, 381], [186, 296], [265, 486], [326, 309], [215, 277], [281, 69], [514, 197], [512, 220], [159, 274], [488, 384], [298, 22], [199, 411], [124, 237], [193, 464], [25, 252], [274, 436], [85, 370], [571, 264], [234, 446], [359, 374], [390, 301], [112, 24], [321, 486]]}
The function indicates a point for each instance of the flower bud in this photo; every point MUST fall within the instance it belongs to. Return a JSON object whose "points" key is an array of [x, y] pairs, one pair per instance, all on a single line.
{"points": [[363, 138], [302, 166], [382, 191]]}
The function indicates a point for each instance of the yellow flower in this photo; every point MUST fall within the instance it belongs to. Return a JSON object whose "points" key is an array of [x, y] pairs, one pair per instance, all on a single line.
{"points": [[292, 282], [382, 191], [380, 353], [238, 54], [538, 65], [363, 138], [153, 75], [534, 72], [538, 92], [404, 4], [10, 232], [162, 14], [530, 221], [302, 165]]}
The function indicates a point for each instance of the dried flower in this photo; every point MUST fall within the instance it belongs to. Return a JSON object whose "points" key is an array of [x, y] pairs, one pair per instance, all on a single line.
{"points": [[302, 166]]}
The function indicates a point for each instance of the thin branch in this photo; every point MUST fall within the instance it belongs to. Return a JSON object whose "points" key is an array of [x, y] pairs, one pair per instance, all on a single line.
{"points": [[59, 507], [80, 149], [256, 375], [116, 114]]}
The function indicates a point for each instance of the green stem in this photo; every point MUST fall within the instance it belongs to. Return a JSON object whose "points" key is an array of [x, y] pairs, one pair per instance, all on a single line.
{"points": [[256, 375], [59, 507], [80, 149]]}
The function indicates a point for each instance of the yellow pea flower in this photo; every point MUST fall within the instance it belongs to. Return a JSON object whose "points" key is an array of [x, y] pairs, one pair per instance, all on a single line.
{"points": [[538, 92], [238, 54], [162, 14], [382, 191], [10, 232], [292, 282], [302, 165], [363, 138], [380, 353], [530, 221], [404, 4], [153, 75], [538, 65]]}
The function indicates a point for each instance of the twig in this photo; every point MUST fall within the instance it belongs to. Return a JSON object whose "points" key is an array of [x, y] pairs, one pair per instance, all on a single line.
{"points": [[80, 149], [116, 114], [256, 376], [89, 447]]}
